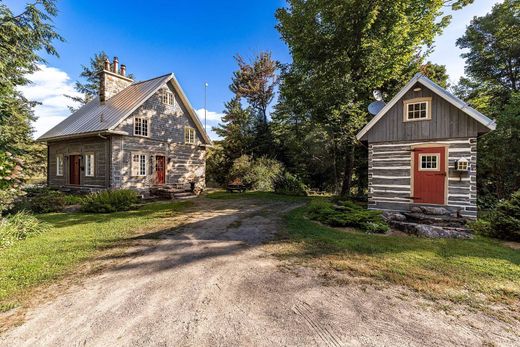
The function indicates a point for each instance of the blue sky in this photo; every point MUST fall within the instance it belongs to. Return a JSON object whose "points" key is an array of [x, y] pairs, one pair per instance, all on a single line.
{"points": [[194, 39]]}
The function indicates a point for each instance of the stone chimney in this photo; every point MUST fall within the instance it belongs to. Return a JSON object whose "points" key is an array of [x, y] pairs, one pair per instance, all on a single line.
{"points": [[112, 81]]}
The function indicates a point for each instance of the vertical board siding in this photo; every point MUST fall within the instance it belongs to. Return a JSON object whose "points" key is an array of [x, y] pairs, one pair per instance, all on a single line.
{"points": [[447, 122], [389, 180]]}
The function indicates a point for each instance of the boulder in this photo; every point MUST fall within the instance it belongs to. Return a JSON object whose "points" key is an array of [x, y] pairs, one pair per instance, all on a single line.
{"points": [[439, 211]]}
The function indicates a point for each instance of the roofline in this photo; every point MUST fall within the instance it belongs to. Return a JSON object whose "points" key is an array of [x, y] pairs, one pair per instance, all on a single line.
{"points": [[443, 93], [80, 135], [192, 112]]}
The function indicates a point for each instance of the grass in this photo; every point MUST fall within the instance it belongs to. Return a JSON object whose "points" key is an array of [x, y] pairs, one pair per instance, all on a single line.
{"points": [[223, 195], [73, 238], [476, 272]]}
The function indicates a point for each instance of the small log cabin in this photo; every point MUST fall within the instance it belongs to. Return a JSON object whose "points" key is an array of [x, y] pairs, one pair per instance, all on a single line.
{"points": [[132, 135], [422, 150]]}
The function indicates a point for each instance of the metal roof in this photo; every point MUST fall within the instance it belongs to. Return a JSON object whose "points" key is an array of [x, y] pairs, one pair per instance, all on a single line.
{"points": [[443, 93], [95, 117]]}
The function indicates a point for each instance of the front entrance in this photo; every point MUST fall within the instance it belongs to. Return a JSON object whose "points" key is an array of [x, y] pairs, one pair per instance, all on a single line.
{"points": [[160, 170], [75, 163], [429, 176]]}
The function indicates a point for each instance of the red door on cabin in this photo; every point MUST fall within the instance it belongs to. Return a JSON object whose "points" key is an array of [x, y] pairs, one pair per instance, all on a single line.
{"points": [[429, 182], [75, 162], [160, 169]]}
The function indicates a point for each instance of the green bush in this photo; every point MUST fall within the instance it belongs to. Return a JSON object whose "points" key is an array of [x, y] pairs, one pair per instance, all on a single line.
{"points": [[346, 213], [73, 199], [19, 226], [40, 200], [288, 184], [108, 201], [503, 222], [259, 174]]}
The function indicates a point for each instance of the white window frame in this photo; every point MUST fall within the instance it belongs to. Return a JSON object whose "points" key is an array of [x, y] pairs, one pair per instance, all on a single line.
{"points": [[433, 155], [59, 165], [190, 135], [140, 170], [167, 98], [90, 165], [140, 121], [417, 101]]}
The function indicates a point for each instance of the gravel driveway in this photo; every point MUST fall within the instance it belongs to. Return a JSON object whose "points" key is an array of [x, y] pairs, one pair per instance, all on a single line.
{"points": [[212, 283]]}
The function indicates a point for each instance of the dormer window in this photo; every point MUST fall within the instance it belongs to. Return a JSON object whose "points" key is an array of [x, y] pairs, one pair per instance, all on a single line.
{"points": [[167, 98], [140, 126], [417, 109]]}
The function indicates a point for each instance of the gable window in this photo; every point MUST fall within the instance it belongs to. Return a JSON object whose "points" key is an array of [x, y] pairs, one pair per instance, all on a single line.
{"points": [[189, 135], [429, 162], [417, 109], [167, 98], [89, 165], [140, 126], [59, 165], [139, 165]]}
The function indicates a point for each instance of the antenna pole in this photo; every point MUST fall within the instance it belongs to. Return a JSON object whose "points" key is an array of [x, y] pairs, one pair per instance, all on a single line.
{"points": [[205, 104]]}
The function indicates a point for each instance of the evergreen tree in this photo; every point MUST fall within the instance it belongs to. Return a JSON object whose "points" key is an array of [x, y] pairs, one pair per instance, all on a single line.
{"points": [[22, 38]]}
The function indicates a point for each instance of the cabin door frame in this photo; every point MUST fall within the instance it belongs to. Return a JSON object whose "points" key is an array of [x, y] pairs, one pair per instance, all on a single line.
{"points": [[424, 178], [75, 169]]}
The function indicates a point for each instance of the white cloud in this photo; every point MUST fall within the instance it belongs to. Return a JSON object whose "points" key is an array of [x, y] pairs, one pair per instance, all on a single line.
{"points": [[212, 120], [49, 87]]}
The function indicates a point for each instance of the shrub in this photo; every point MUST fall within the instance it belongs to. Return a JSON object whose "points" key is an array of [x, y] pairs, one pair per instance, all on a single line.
{"points": [[503, 222], [19, 226], [40, 200], [288, 184], [347, 214], [259, 174], [108, 201], [73, 199]]}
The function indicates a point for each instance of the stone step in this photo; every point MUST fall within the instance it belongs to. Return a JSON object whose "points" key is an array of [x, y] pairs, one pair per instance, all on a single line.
{"points": [[438, 220], [431, 231]]}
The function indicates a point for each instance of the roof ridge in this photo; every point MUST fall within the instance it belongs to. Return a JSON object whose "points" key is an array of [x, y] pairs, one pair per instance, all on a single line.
{"points": [[151, 79]]}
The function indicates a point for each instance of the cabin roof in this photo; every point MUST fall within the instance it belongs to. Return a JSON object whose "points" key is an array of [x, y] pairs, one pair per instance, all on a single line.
{"points": [[446, 95], [96, 118]]}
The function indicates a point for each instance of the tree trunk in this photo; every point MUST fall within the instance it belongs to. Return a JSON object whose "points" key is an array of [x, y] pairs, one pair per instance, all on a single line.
{"points": [[349, 168]]}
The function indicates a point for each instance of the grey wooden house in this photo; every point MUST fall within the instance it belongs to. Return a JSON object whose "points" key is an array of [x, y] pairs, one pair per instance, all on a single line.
{"points": [[423, 150], [133, 135]]}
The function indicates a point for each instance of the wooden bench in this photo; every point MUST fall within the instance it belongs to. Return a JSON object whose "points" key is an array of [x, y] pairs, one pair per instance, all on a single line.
{"points": [[236, 187]]}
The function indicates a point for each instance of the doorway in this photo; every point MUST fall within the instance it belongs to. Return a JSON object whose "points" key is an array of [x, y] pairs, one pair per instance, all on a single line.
{"points": [[75, 162], [160, 170], [429, 176]]}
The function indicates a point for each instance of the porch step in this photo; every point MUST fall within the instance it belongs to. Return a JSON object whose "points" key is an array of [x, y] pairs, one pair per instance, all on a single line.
{"points": [[429, 225], [172, 193]]}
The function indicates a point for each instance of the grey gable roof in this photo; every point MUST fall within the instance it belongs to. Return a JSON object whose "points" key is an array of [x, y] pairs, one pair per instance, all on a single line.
{"points": [[94, 118]]}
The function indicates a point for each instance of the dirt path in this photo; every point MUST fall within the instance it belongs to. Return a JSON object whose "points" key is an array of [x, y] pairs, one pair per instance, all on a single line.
{"points": [[211, 282]]}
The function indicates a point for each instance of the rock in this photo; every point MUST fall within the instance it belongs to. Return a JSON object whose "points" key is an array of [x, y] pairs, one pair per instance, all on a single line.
{"points": [[416, 209], [390, 216], [432, 231], [434, 210]]}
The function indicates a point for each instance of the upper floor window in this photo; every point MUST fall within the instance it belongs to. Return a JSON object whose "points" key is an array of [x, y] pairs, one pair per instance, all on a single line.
{"points": [[59, 165], [140, 126], [167, 98], [89, 165], [417, 109], [189, 135]]}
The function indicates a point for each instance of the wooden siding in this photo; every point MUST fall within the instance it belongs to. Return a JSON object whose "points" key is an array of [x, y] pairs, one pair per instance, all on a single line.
{"points": [[97, 145], [389, 176], [447, 122]]}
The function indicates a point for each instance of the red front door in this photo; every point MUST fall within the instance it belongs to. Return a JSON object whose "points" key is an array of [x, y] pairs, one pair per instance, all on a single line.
{"points": [[429, 180], [160, 169], [75, 162]]}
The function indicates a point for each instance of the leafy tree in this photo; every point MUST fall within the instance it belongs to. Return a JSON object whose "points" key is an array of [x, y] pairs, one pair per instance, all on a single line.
{"points": [[342, 50], [493, 45], [89, 83], [23, 37], [492, 86], [437, 73]]}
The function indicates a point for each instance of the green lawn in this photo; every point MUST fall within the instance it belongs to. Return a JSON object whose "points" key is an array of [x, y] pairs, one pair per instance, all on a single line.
{"points": [[477, 272], [74, 238]]}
